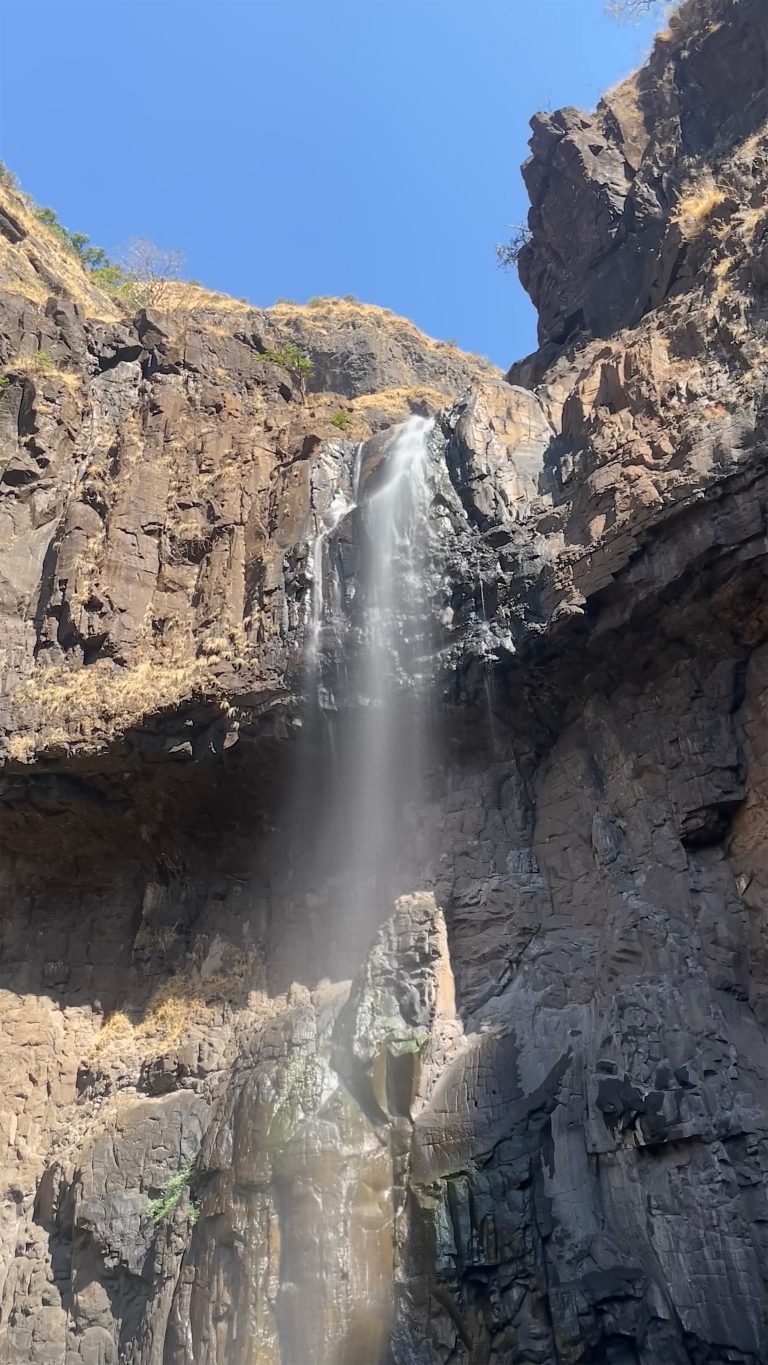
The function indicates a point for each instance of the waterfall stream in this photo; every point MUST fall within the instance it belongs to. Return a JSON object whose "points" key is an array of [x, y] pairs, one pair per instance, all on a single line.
{"points": [[360, 761], [376, 751]]}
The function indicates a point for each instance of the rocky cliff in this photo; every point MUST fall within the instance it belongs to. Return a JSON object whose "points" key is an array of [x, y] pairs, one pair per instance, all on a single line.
{"points": [[508, 1106]]}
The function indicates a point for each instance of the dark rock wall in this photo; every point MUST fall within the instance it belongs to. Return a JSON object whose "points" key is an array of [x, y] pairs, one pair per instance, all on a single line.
{"points": [[606, 189], [508, 1105]]}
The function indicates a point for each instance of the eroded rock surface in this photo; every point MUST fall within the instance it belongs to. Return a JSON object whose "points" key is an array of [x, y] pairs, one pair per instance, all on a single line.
{"points": [[507, 1106]]}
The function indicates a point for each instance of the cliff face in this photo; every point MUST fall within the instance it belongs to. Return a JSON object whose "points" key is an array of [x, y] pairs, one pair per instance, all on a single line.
{"points": [[512, 1106]]}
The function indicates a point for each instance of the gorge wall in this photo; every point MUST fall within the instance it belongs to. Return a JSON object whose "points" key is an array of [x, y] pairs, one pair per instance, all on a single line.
{"points": [[506, 1104]]}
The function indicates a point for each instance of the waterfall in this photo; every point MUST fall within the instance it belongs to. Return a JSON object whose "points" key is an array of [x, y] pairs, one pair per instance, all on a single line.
{"points": [[379, 752], [392, 609], [395, 525], [361, 758], [339, 508]]}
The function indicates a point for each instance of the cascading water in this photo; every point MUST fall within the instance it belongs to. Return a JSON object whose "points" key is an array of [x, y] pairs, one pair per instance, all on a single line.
{"points": [[375, 771], [388, 754], [360, 760], [338, 509]]}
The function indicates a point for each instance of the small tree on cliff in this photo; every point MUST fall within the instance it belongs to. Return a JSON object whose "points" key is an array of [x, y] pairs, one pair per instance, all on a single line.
{"points": [[150, 271], [508, 253]]}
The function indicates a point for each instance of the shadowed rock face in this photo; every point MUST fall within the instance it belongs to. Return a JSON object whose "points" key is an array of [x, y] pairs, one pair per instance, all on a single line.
{"points": [[504, 1103]]}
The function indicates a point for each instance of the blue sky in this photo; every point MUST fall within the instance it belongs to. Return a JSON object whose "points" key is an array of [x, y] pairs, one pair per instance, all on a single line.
{"points": [[300, 147]]}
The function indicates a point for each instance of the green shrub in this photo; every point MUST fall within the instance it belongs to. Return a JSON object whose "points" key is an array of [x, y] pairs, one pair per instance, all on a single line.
{"points": [[50, 219], [92, 257], [43, 360], [342, 420], [292, 357], [351, 298], [4, 381], [47, 216], [110, 278], [165, 1205]]}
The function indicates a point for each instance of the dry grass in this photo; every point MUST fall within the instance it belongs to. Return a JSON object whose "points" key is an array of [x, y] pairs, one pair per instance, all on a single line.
{"points": [[87, 704], [319, 312], [21, 748], [32, 288], [720, 272], [155, 938], [41, 254], [748, 218], [187, 294], [180, 1005], [325, 311], [41, 367], [696, 205], [745, 150], [400, 401]]}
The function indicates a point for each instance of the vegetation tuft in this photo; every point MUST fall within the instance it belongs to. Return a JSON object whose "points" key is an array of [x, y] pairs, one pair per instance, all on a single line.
{"points": [[7, 177], [342, 420], [41, 362], [292, 357], [696, 204], [166, 1203], [508, 253]]}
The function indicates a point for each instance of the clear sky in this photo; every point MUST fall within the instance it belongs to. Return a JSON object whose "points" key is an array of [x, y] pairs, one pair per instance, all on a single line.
{"points": [[300, 147]]}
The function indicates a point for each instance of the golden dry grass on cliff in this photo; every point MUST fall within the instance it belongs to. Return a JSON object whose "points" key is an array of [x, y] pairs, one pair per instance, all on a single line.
{"points": [[21, 748], [29, 267], [188, 294], [329, 310], [39, 366], [320, 312], [696, 204], [85, 705], [181, 1004], [400, 401], [720, 272]]}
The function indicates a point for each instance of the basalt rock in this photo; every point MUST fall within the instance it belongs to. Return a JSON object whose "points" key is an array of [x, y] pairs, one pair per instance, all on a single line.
{"points": [[608, 190], [508, 1104]]}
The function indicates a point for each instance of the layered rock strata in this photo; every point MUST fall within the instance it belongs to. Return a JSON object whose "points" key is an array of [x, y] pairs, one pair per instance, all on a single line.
{"points": [[513, 1108]]}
